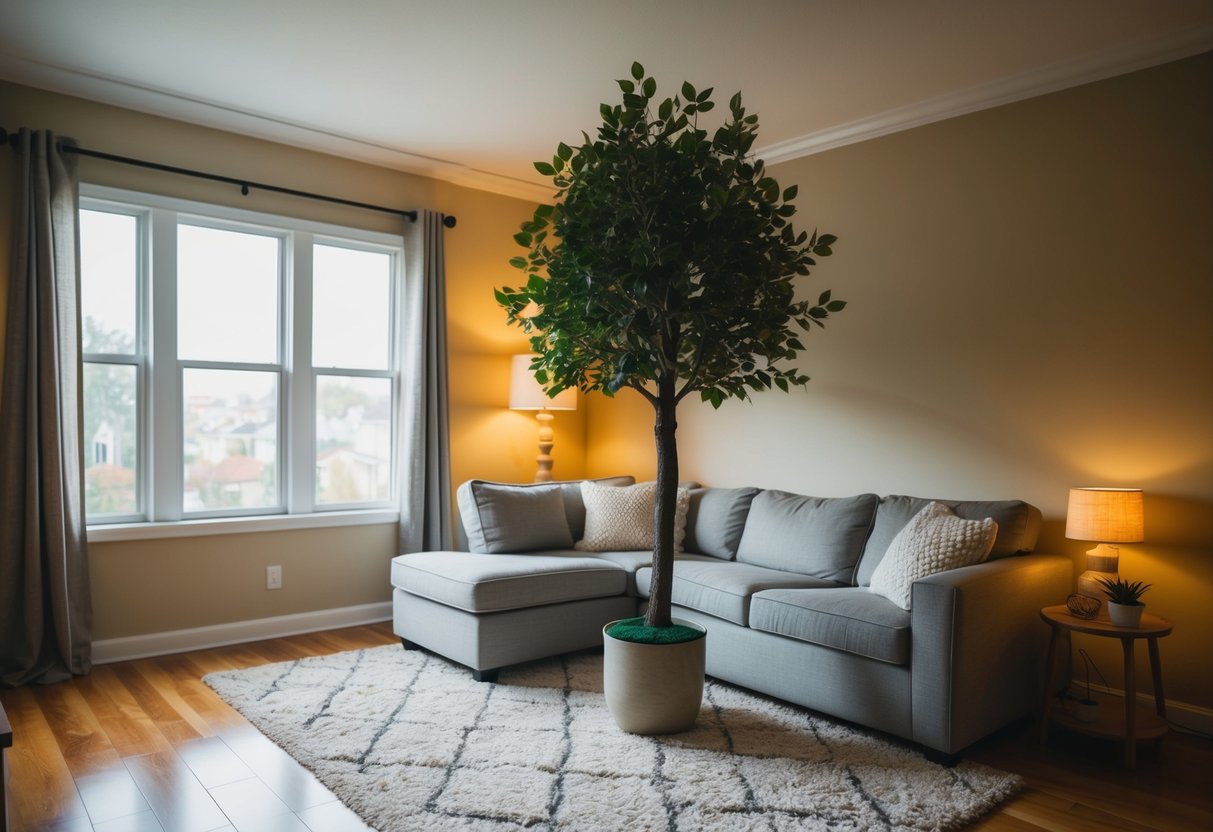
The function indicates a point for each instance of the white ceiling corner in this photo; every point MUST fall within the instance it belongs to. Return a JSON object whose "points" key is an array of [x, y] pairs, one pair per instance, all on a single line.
{"points": [[445, 90]]}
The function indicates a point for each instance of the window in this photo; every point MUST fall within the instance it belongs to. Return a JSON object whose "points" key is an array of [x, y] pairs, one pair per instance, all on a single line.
{"points": [[234, 363]]}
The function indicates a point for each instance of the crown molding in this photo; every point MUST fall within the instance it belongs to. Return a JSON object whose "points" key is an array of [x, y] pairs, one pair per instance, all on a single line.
{"points": [[1084, 69], [1094, 66], [159, 102]]}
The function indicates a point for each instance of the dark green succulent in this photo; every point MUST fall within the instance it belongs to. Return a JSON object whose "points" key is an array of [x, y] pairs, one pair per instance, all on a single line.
{"points": [[1124, 592]]}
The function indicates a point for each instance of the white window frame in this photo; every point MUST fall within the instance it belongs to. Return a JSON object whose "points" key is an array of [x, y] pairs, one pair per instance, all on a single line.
{"points": [[159, 388]]}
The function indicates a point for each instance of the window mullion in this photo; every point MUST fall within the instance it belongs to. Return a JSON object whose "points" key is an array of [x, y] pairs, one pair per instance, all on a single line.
{"points": [[301, 424], [163, 402]]}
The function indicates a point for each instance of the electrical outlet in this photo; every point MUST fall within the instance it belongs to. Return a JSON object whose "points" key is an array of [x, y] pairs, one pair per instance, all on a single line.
{"points": [[273, 577]]}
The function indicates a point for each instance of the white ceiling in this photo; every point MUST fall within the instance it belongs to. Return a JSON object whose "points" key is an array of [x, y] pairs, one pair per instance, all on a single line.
{"points": [[472, 91]]}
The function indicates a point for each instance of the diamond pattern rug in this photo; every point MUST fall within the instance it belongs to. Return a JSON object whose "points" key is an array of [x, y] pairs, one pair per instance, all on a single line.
{"points": [[412, 742]]}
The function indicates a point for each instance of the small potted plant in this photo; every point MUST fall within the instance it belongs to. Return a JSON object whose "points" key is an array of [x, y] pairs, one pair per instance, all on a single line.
{"points": [[1124, 601]]}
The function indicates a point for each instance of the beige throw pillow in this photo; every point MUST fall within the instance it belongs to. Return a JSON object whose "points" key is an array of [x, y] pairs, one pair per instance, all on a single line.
{"points": [[620, 518], [934, 540]]}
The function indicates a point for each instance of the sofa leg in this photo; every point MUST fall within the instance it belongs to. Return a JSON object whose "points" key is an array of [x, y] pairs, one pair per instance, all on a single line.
{"points": [[486, 675], [408, 646], [940, 758]]}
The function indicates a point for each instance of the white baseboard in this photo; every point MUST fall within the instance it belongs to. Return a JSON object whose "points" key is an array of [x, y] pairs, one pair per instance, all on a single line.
{"points": [[237, 632], [1180, 714]]}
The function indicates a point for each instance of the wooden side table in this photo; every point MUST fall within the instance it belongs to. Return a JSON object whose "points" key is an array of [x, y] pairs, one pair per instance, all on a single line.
{"points": [[1136, 723]]}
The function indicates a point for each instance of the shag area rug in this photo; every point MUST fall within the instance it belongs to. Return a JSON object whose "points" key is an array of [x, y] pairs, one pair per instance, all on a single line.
{"points": [[412, 742]]}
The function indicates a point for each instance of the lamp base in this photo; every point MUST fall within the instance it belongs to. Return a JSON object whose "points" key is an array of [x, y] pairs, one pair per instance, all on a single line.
{"points": [[544, 460], [1102, 563]]}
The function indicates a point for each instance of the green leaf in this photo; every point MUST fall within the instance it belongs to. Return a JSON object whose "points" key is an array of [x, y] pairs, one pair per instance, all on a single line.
{"points": [[823, 298], [688, 92], [626, 86], [545, 168], [704, 96], [518, 262], [522, 238], [665, 110], [649, 88], [637, 70], [706, 105], [827, 239], [836, 305], [790, 193], [564, 152]]}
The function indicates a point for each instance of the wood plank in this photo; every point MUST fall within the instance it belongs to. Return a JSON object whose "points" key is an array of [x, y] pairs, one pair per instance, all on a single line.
{"points": [[250, 804], [167, 690], [111, 794], [213, 762], [297, 787], [82, 740], [186, 679], [164, 716], [131, 731], [174, 794], [41, 787]]}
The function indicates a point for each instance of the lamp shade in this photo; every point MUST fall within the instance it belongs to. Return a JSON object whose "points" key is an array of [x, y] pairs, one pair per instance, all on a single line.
{"points": [[1105, 515], [528, 394]]}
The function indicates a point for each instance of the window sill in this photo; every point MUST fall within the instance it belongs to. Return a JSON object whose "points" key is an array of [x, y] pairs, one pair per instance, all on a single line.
{"points": [[240, 525]]}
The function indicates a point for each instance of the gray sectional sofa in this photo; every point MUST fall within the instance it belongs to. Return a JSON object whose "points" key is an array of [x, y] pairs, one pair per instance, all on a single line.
{"points": [[779, 580]]}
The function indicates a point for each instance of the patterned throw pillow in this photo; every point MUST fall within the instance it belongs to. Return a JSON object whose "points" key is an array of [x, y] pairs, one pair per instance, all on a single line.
{"points": [[935, 540], [620, 518]]}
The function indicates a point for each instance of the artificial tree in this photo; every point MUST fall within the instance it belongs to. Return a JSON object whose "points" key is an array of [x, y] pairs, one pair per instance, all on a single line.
{"points": [[667, 264]]}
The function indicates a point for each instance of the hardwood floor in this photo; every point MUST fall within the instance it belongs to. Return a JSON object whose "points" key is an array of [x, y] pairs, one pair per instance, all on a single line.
{"points": [[145, 745]]}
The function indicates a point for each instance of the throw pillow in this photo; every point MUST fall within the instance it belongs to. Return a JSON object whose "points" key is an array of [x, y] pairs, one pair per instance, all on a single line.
{"points": [[934, 540], [620, 518], [500, 519]]}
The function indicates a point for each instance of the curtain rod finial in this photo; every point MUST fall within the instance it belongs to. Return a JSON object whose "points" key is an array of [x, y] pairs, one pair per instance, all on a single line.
{"points": [[448, 221]]}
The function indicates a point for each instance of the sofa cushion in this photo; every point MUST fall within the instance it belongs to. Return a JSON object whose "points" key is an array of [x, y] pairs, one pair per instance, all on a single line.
{"points": [[935, 540], [851, 619], [1018, 525], [479, 582], [621, 518], [715, 520], [817, 536], [721, 588], [513, 518], [570, 493]]}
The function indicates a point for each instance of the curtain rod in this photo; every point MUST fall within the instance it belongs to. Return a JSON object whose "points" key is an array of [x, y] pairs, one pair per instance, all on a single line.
{"points": [[245, 184]]}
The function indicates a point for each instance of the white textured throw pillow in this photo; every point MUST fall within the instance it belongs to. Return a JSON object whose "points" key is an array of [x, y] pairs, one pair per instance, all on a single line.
{"points": [[935, 540], [620, 518]]}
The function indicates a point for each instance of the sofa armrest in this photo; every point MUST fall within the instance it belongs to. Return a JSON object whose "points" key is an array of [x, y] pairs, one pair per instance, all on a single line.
{"points": [[979, 646]]}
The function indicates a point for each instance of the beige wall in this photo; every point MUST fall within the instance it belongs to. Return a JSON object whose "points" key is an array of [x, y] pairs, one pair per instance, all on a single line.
{"points": [[1031, 297], [152, 586]]}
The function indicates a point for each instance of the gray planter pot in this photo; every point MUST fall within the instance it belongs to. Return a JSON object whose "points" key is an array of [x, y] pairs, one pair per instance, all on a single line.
{"points": [[653, 688], [1125, 615]]}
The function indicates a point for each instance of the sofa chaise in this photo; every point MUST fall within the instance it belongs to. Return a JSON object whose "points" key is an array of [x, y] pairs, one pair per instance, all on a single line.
{"points": [[781, 582]]}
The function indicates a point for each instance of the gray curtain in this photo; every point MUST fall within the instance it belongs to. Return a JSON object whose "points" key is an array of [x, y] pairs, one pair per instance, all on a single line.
{"points": [[425, 462], [46, 614]]}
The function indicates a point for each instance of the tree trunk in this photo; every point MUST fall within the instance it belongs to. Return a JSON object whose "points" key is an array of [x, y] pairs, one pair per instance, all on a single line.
{"points": [[658, 614]]}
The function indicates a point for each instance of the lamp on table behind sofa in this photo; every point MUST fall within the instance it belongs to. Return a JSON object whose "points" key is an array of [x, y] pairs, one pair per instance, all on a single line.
{"points": [[1103, 516], [526, 393]]}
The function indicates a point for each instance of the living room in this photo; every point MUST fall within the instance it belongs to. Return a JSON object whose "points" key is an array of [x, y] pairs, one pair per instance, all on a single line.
{"points": [[1028, 290]]}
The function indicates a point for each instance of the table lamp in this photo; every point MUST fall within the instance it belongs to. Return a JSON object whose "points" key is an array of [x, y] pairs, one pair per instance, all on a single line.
{"points": [[1103, 516], [526, 393]]}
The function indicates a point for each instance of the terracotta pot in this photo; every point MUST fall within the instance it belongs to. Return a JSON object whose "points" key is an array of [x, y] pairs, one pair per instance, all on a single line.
{"points": [[653, 688], [1125, 615]]}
